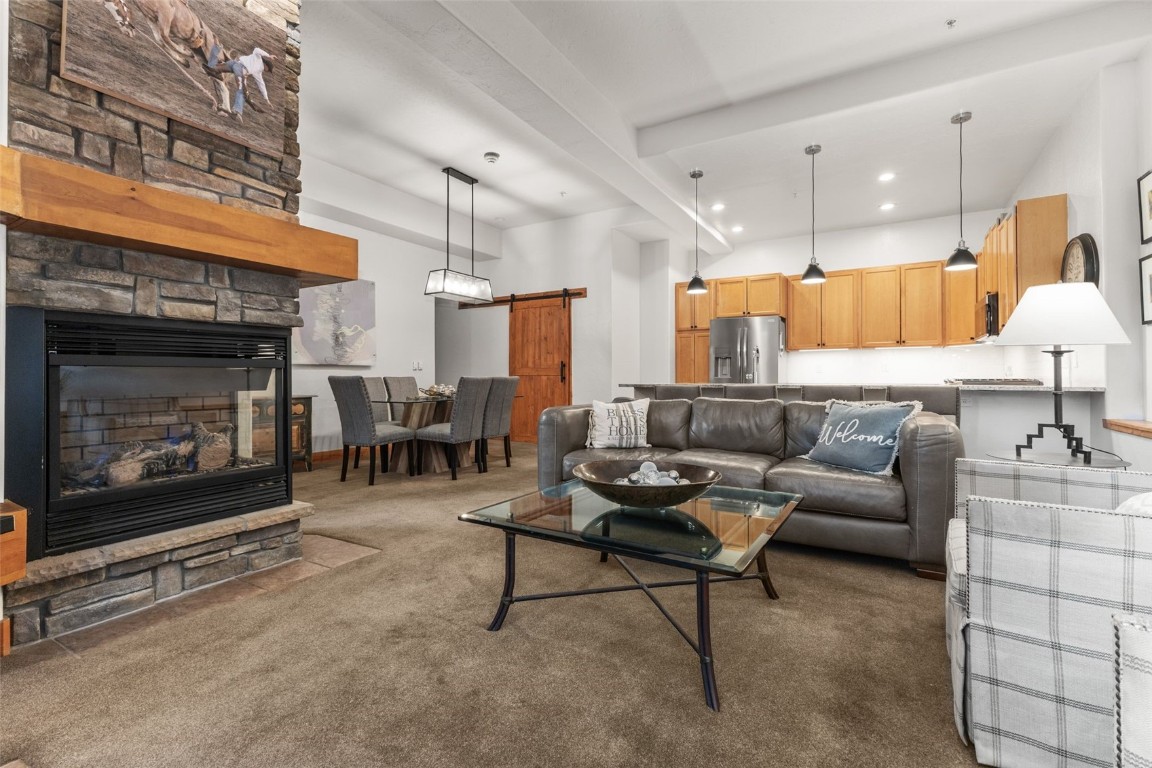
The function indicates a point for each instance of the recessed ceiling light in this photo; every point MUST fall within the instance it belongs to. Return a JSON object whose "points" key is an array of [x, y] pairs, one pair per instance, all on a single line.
{"points": [[717, 206], [887, 206], [737, 229], [886, 176]]}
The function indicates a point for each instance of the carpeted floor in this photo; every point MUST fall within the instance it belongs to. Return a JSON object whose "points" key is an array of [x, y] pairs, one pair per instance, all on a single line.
{"points": [[385, 661]]}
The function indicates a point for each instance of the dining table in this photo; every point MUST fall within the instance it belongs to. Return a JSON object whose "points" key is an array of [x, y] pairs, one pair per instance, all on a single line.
{"points": [[420, 412]]}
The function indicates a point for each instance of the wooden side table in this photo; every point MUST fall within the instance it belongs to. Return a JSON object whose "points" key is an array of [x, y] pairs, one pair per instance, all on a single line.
{"points": [[13, 557], [302, 429]]}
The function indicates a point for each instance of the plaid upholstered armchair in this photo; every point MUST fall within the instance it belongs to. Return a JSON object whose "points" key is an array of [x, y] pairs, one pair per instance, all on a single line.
{"points": [[1039, 564]]}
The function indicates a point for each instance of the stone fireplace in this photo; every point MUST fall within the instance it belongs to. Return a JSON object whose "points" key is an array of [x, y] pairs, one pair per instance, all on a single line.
{"points": [[153, 271]]}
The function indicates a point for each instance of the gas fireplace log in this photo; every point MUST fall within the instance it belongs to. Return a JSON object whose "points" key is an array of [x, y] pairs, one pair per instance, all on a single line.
{"points": [[199, 450]]}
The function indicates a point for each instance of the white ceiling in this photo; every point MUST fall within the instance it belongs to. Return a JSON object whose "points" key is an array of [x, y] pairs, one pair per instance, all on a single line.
{"points": [[611, 102]]}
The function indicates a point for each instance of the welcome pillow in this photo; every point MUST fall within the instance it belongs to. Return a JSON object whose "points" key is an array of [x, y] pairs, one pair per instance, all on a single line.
{"points": [[618, 425], [862, 436]]}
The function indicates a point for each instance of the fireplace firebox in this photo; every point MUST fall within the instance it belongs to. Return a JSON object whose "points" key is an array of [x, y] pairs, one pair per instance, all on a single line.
{"points": [[119, 427]]}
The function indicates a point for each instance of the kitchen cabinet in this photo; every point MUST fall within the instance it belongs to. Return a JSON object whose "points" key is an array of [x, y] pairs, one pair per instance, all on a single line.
{"points": [[824, 315], [694, 311], [902, 305], [1036, 243], [751, 295], [963, 311], [1023, 250], [692, 357]]}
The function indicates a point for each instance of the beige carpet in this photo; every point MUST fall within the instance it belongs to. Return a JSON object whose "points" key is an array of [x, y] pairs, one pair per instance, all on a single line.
{"points": [[385, 661]]}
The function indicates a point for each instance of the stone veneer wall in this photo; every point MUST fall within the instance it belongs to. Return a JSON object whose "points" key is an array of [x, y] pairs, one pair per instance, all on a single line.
{"points": [[62, 274], [64, 593], [50, 116]]}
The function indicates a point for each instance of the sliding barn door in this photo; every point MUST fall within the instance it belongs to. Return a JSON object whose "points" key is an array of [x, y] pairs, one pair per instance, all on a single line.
{"points": [[540, 353]]}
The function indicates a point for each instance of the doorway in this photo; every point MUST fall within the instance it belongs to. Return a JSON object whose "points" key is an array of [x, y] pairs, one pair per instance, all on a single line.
{"points": [[540, 353]]}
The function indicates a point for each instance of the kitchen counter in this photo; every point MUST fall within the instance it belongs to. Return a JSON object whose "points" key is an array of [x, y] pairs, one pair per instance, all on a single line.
{"points": [[1022, 388]]}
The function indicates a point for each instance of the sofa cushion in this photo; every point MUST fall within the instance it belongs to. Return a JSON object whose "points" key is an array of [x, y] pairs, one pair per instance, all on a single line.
{"points": [[835, 489], [862, 436], [615, 454], [743, 426], [618, 425], [802, 422], [737, 468], [668, 422]]}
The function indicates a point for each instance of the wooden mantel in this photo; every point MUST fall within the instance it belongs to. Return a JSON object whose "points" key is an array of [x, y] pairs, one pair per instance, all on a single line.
{"points": [[50, 197]]}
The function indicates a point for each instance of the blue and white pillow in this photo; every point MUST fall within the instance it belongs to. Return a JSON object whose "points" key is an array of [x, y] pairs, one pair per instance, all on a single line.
{"points": [[618, 425], [862, 436]]}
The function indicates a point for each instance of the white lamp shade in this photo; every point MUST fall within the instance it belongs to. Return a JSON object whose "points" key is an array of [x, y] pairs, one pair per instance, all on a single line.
{"points": [[1062, 313], [457, 286]]}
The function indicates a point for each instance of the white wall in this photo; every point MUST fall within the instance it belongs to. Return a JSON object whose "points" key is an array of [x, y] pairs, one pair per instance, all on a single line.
{"points": [[578, 252], [1096, 156], [405, 323], [625, 313], [657, 314], [405, 317]]}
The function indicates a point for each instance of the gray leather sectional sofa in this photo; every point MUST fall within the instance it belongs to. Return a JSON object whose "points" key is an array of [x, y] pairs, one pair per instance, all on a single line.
{"points": [[758, 444]]}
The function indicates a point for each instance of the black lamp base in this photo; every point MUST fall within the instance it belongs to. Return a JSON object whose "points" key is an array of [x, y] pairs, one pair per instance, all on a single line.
{"points": [[1074, 444]]}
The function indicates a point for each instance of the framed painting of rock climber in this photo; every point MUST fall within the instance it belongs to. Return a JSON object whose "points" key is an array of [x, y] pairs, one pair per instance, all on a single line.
{"points": [[211, 64]]}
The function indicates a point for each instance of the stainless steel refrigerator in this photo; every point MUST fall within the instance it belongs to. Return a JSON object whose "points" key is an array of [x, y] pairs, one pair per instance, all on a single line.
{"points": [[745, 350]]}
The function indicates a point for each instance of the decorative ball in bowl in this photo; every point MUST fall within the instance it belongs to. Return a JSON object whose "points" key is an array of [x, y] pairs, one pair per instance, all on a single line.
{"points": [[643, 485]]}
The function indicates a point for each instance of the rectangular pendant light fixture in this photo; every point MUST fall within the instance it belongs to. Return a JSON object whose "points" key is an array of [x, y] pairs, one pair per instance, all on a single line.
{"points": [[447, 283]]}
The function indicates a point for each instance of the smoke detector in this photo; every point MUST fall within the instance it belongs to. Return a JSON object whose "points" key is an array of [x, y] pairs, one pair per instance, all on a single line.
{"points": [[491, 156]]}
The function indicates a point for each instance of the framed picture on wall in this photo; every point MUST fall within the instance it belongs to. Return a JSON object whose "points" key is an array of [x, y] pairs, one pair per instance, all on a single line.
{"points": [[211, 64], [1146, 290], [1144, 187]]}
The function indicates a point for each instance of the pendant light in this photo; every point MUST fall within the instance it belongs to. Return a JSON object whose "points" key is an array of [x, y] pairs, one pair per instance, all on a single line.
{"points": [[813, 274], [697, 284], [961, 258], [447, 283]]}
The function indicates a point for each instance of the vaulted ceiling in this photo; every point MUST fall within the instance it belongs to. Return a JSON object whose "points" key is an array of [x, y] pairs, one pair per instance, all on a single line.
{"points": [[596, 104]]}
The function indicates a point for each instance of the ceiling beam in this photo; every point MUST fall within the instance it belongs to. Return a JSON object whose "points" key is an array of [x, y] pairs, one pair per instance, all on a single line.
{"points": [[1099, 27], [496, 49]]}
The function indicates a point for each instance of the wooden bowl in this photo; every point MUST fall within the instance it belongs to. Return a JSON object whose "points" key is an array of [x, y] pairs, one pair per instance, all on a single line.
{"points": [[599, 476]]}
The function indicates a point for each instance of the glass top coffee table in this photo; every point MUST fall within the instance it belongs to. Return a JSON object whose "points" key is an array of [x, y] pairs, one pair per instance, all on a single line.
{"points": [[718, 536]]}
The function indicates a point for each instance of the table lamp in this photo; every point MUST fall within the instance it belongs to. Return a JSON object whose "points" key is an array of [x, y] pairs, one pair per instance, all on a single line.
{"points": [[1061, 314]]}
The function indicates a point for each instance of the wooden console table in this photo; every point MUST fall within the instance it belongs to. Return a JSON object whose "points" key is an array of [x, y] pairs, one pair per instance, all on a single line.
{"points": [[13, 556]]}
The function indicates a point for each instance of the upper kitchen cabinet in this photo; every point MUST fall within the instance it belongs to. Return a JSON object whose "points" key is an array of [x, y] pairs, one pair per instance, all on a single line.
{"points": [[902, 305], [694, 311], [963, 313], [824, 315], [1023, 250], [1038, 240], [752, 295]]}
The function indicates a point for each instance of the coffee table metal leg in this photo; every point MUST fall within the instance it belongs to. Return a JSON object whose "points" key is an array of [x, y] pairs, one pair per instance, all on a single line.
{"points": [[704, 639], [509, 582], [765, 579]]}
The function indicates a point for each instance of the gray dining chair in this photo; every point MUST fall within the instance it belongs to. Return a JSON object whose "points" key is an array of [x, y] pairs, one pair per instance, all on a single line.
{"points": [[378, 394], [400, 388], [359, 427], [465, 426], [498, 416]]}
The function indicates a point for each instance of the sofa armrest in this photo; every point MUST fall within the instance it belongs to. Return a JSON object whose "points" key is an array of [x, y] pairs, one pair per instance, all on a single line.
{"points": [[1044, 582], [1048, 484], [929, 447], [561, 430], [1133, 689]]}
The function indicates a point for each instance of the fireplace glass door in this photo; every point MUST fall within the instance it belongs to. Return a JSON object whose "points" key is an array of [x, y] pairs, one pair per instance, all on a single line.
{"points": [[125, 426]]}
